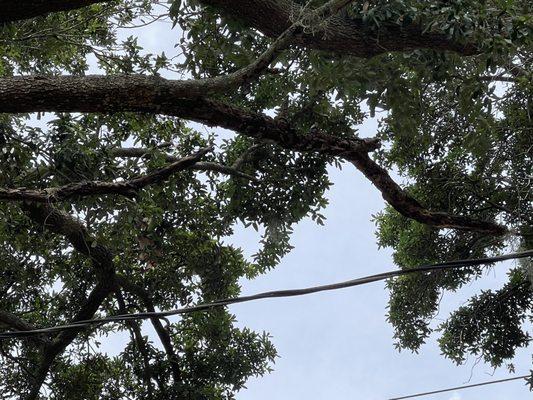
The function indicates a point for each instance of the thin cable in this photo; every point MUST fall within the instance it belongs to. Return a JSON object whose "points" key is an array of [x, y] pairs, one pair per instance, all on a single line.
{"points": [[272, 294], [461, 387]]}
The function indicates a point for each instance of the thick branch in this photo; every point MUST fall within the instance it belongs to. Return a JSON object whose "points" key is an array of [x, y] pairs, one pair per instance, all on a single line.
{"points": [[73, 230], [93, 302], [90, 188], [340, 34], [273, 17], [160, 96], [14, 10], [140, 93], [14, 322]]}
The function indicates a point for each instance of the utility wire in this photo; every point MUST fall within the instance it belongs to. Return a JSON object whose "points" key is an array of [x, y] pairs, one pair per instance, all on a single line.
{"points": [[272, 294], [461, 387]]}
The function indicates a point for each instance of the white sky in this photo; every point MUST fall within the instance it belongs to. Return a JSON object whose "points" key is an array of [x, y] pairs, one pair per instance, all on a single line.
{"points": [[338, 345]]}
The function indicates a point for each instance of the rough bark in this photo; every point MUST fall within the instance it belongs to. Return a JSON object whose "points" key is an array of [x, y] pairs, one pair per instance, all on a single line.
{"points": [[340, 35], [15, 10], [272, 17], [137, 93]]}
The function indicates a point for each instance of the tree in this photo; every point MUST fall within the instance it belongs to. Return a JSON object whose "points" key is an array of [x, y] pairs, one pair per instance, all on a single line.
{"points": [[91, 226]]}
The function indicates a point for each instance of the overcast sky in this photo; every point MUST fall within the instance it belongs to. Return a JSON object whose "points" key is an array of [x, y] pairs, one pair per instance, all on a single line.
{"points": [[338, 345]]}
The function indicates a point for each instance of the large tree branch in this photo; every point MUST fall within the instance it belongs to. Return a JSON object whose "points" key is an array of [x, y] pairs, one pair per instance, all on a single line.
{"points": [[340, 34], [156, 95], [97, 296], [273, 17], [73, 230], [139, 93], [91, 188], [14, 322], [14, 10]]}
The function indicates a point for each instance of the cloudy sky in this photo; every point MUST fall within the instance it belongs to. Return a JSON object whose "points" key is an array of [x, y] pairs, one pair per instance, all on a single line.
{"points": [[338, 345]]}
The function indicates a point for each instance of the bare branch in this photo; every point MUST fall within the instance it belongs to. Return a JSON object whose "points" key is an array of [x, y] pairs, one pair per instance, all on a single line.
{"points": [[223, 169], [488, 78]]}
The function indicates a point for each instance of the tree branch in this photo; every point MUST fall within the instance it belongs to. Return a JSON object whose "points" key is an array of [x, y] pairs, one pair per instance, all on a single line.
{"points": [[127, 152], [139, 93], [411, 208], [73, 230], [246, 156], [137, 337], [162, 333], [15, 10], [14, 322], [63, 339], [273, 17], [156, 95], [90, 188], [340, 34], [252, 71]]}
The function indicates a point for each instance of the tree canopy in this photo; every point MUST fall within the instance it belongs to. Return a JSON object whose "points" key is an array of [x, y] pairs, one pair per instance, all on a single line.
{"points": [[111, 201]]}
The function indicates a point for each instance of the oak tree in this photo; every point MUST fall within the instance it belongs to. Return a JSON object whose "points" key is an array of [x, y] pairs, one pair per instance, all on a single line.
{"points": [[111, 201]]}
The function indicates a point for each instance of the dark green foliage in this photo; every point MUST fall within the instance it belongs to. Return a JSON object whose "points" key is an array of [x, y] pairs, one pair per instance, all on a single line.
{"points": [[458, 130]]}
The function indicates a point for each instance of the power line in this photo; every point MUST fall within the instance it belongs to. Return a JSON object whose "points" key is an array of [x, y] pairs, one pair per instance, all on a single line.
{"points": [[272, 294], [461, 387]]}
